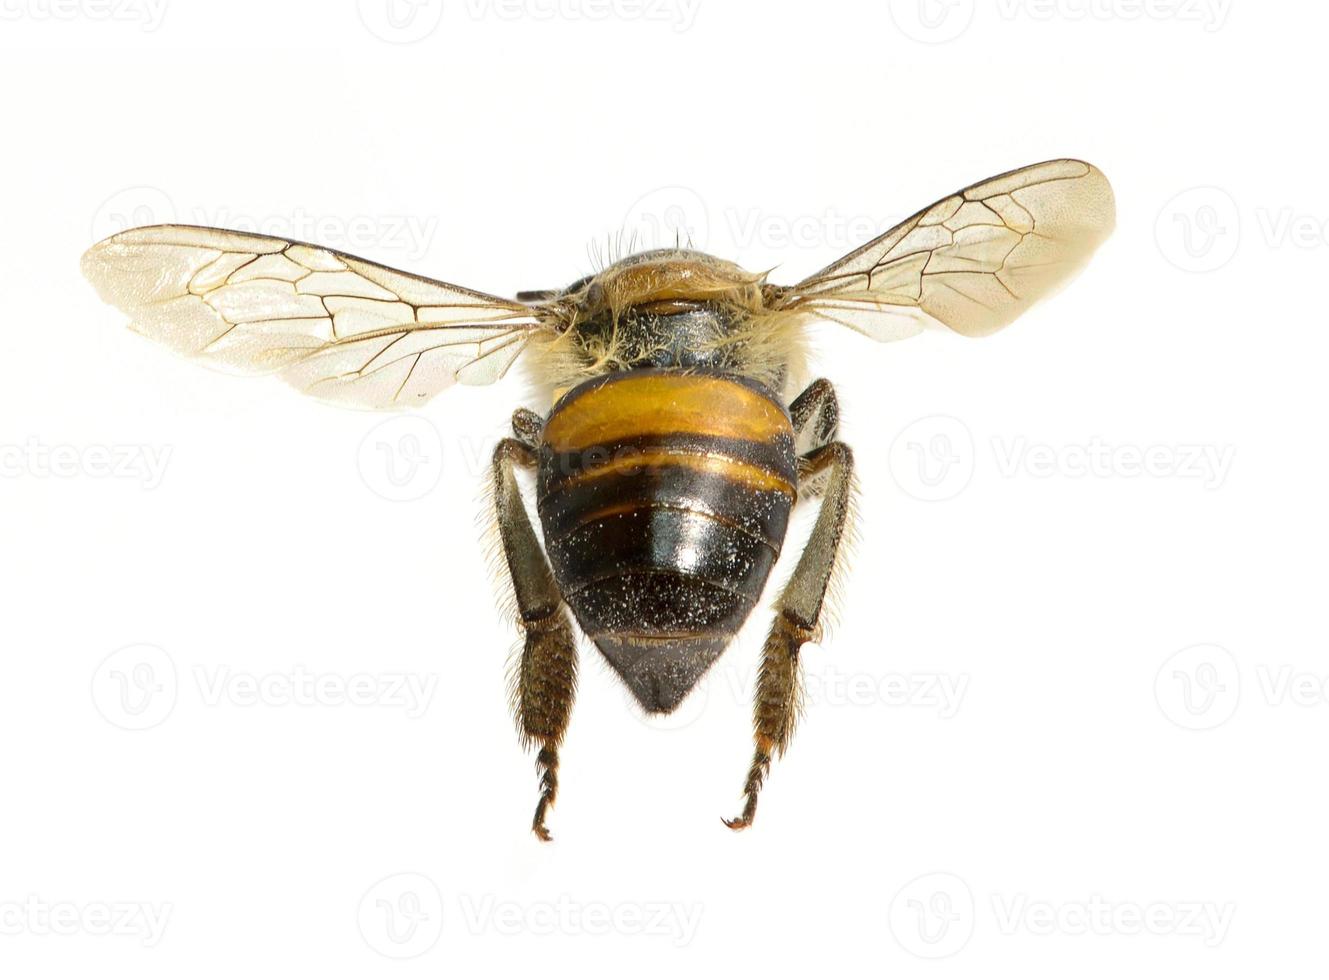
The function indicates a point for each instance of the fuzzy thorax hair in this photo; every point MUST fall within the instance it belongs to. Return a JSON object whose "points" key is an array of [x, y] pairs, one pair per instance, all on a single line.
{"points": [[597, 322]]}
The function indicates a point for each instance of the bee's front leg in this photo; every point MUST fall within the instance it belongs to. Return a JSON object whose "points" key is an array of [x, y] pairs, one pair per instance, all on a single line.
{"points": [[815, 414]]}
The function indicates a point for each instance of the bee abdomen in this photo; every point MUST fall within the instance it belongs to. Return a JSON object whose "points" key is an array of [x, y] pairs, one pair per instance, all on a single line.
{"points": [[664, 498]]}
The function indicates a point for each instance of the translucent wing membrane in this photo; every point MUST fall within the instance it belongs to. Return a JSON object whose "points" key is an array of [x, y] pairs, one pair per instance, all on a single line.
{"points": [[973, 261], [336, 326]]}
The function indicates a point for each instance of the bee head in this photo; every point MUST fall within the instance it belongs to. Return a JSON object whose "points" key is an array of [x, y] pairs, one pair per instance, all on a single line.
{"points": [[665, 281], [667, 308]]}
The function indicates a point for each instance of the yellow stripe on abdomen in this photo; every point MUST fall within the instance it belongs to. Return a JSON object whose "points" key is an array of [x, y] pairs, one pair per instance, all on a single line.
{"points": [[638, 404], [736, 470]]}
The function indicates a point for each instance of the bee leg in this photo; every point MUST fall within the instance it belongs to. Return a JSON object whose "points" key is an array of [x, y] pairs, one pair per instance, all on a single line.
{"points": [[797, 617], [536, 295], [527, 426], [545, 679], [816, 416]]}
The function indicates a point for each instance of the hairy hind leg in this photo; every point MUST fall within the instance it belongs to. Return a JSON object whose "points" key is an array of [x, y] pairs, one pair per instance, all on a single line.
{"points": [[797, 617], [545, 680]]}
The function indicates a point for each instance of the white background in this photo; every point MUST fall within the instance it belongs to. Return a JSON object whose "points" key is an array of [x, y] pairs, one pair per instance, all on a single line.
{"points": [[1093, 796]]}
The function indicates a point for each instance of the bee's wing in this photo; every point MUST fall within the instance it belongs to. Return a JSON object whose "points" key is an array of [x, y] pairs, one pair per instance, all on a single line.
{"points": [[973, 261], [336, 326]]}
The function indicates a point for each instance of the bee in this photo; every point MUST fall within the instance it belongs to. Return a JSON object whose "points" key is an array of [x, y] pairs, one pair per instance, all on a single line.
{"points": [[668, 459]]}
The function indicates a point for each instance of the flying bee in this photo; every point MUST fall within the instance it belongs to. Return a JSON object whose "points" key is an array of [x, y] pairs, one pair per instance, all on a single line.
{"points": [[669, 460]]}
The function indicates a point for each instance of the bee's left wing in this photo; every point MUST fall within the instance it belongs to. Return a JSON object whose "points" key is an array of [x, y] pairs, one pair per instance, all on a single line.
{"points": [[338, 327], [973, 261]]}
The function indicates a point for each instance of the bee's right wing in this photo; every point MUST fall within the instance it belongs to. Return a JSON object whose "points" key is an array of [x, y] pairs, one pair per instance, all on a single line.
{"points": [[973, 261], [338, 327]]}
